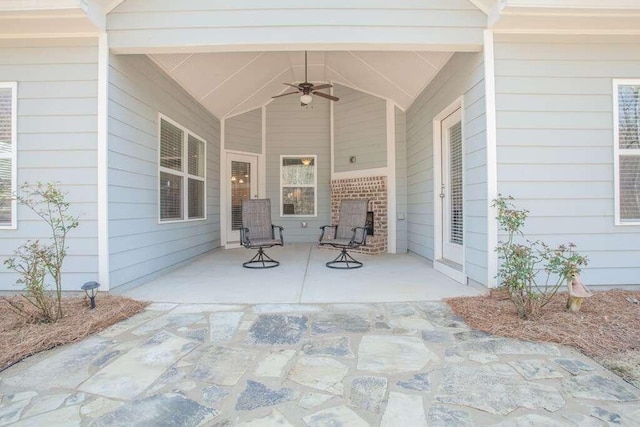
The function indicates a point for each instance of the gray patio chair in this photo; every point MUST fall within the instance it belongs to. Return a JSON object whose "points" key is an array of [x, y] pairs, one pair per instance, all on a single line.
{"points": [[349, 233], [257, 232]]}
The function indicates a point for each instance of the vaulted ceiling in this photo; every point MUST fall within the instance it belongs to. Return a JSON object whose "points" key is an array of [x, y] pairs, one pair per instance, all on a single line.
{"points": [[231, 83]]}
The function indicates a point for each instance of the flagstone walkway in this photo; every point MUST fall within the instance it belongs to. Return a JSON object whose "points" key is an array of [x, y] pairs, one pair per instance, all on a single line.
{"points": [[394, 364]]}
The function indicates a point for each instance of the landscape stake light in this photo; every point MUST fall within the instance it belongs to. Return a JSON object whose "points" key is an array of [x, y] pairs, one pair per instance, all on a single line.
{"points": [[91, 289]]}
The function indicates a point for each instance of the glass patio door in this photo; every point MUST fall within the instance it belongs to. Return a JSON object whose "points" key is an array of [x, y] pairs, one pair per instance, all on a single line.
{"points": [[452, 188], [242, 185]]}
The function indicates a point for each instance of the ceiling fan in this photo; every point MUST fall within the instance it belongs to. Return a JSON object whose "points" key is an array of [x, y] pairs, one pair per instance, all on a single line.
{"points": [[307, 89]]}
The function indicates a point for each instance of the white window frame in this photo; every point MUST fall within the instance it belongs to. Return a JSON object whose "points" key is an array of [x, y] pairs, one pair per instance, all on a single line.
{"points": [[617, 151], [314, 186], [14, 152], [184, 173]]}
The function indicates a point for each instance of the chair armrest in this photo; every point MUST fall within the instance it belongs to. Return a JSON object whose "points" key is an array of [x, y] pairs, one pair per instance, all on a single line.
{"points": [[244, 237], [363, 241], [324, 231], [273, 232]]}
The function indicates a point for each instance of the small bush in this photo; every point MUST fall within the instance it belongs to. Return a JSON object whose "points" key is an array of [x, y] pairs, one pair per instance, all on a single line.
{"points": [[524, 262], [35, 260]]}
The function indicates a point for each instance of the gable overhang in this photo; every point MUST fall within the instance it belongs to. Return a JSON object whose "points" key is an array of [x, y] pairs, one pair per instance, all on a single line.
{"points": [[51, 18], [566, 17], [147, 27]]}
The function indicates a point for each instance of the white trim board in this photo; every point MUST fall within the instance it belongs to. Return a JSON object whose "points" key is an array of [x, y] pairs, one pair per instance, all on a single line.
{"points": [[392, 191], [103, 166], [492, 158]]}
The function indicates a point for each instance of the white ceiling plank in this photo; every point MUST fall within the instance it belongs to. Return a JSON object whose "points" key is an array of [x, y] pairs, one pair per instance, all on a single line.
{"points": [[247, 81], [257, 99], [230, 83]]}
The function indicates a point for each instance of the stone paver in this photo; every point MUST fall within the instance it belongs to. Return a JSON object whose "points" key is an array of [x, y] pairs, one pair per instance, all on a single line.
{"points": [[400, 364]]}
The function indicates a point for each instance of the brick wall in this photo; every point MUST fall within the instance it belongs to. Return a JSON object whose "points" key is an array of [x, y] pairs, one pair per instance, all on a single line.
{"points": [[373, 188]]}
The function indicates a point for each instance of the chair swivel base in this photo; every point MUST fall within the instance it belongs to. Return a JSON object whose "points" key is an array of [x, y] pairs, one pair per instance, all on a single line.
{"points": [[261, 260], [344, 261]]}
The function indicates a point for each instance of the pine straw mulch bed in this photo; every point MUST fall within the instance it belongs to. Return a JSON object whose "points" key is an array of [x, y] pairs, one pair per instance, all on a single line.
{"points": [[20, 338], [607, 328]]}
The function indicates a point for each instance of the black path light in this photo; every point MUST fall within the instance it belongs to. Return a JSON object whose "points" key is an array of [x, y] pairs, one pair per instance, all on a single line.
{"points": [[91, 289]]}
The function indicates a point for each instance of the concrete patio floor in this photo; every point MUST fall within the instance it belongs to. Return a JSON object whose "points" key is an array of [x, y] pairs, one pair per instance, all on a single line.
{"points": [[394, 364], [302, 277]]}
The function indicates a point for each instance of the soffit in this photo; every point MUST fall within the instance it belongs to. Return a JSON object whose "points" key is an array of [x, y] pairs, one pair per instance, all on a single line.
{"points": [[231, 83]]}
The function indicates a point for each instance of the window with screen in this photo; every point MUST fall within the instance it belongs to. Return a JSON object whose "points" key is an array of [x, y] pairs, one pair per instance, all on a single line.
{"points": [[298, 185], [627, 148], [8, 99], [182, 173]]}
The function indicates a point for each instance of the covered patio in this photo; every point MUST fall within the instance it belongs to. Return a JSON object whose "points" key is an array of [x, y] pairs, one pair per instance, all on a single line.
{"points": [[218, 277]]}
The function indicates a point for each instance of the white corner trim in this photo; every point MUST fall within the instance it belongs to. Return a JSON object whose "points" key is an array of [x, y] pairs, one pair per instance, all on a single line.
{"points": [[616, 150], [392, 218], [332, 134], [223, 187], [492, 157], [103, 158], [262, 158]]}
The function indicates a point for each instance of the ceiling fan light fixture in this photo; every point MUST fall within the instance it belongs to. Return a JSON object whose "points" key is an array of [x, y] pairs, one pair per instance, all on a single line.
{"points": [[306, 99]]}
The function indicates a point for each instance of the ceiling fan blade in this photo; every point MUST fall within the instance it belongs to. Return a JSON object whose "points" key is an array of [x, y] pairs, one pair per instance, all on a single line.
{"points": [[324, 95], [324, 86], [292, 85], [285, 94]]}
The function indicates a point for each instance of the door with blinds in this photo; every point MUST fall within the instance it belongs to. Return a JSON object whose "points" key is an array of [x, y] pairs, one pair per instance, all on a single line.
{"points": [[242, 171], [452, 188]]}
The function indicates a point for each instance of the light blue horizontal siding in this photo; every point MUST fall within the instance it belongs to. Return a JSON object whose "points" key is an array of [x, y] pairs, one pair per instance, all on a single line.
{"points": [[463, 76], [555, 144], [145, 24], [244, 132], [57, 141], [140, 247], [360, 130], [295, 130]]}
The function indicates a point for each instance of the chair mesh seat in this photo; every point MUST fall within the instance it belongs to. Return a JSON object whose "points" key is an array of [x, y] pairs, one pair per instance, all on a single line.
{"points": [[336, 242], [349, 233], [255, 243], [257, 232]]}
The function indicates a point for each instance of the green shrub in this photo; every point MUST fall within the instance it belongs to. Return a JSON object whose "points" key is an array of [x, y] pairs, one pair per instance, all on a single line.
{"points": [[524, 262], [35, 260]]}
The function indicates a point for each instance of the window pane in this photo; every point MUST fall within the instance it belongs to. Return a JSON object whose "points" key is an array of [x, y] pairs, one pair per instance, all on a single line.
{"points": [[629, 116], [170, 197], [170, 146], [196, 199], [5, 120], [296, 172], [630, 188], [298, 201], [5, 190], [456, 202], [240, 190], [196, 156]]}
